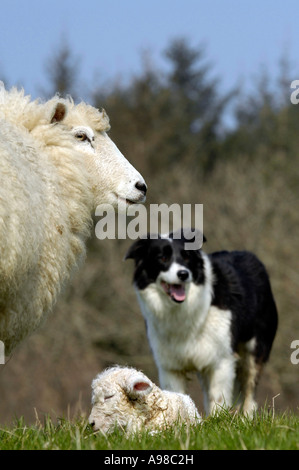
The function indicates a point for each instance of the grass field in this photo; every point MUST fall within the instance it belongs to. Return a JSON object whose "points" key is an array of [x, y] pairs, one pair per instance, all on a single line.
{"points": [[225, 431]]}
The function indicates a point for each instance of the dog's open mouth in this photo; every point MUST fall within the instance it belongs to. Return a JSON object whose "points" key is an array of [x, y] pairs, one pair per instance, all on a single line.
{"points": [[175, 291]]}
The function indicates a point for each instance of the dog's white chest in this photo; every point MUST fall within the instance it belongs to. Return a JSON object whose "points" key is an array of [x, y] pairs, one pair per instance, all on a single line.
{"points": [[188, 336]]}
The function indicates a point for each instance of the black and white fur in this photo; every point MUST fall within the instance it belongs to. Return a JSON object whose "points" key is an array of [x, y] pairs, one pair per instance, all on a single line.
{"points": [[210, 313]]}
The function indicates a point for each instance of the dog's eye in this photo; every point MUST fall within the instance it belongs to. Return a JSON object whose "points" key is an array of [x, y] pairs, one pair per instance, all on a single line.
{"points": [[163, 258], [184, 254]]}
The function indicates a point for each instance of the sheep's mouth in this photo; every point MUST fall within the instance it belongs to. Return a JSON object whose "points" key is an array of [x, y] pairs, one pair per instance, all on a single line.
{"points": [[175, 292], [130, 202]]}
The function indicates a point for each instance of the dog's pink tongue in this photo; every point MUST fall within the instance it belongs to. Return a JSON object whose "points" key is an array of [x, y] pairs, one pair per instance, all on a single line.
{"points": [[177, 292]]}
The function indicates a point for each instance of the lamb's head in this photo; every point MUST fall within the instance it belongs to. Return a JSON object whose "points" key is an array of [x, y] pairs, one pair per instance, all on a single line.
{"points": [[113, 179], [120, 398]]}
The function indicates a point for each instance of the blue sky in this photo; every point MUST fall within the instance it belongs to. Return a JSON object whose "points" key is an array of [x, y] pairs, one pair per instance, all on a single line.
{"points": [[241, 36]]}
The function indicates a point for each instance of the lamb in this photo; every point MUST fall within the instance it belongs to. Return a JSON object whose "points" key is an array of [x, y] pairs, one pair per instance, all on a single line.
{"points": [[57, 165], [125, 398]]}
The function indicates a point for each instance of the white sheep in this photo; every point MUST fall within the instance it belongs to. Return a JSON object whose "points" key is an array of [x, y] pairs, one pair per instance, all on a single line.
{"points": [[57, 165], [125, 398]]}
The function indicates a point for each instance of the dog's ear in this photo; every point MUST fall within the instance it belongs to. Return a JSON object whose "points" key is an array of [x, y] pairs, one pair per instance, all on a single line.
{"points": [[189, 235], [137, 250]]}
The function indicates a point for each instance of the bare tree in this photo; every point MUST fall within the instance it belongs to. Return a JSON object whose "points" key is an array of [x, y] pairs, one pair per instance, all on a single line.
{"points": [[62, 70]]}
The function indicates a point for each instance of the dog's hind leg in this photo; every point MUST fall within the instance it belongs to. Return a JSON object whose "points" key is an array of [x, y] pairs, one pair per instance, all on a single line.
{"points": [[249, 373], [249, 385]]}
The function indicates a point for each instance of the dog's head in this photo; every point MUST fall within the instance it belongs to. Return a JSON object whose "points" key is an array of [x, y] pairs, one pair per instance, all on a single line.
{"points": [[164, 260]]}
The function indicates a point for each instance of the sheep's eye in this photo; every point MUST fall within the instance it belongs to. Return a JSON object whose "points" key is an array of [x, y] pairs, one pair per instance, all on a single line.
{"points": [[109, 396], [81, 136]]}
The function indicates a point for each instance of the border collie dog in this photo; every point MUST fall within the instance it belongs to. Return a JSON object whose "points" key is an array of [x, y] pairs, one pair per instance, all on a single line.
{"points": [[210, 313]]}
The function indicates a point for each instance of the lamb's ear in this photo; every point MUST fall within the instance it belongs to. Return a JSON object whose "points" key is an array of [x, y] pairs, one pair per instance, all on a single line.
{"points": [[138, 386], [59, 112], [137, 250]]}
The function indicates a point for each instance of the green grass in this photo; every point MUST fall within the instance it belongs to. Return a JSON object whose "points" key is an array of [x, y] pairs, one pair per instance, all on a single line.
{"points": [[224, 431]]}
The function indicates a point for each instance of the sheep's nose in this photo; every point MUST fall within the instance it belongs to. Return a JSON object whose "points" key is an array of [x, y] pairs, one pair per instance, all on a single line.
{"points": [[183, 274], [92, 423], [141, 187]]}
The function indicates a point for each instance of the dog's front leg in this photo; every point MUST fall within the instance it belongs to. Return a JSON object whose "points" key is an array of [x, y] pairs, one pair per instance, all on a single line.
{"points": [[174, 381], [219, 385]]}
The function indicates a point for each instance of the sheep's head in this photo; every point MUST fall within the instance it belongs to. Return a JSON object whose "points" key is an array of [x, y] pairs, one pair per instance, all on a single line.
{"points": [[120, 399], [114, 180]]}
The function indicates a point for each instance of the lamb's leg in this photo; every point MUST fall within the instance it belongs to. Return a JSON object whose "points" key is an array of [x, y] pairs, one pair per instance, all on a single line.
{"points": [[173, 381]]}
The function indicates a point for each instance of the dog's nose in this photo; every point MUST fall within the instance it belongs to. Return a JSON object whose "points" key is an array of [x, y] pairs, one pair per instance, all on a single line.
{"points": [[141, 187], [183, 274]]}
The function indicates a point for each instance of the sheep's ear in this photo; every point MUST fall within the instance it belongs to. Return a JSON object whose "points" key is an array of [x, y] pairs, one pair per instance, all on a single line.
{"points": [[59, 112], [138, 386]]}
